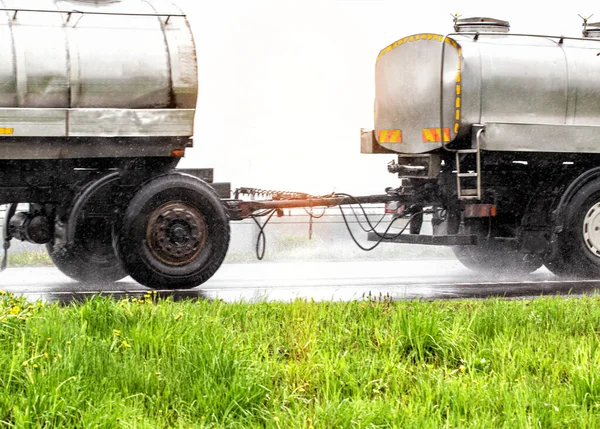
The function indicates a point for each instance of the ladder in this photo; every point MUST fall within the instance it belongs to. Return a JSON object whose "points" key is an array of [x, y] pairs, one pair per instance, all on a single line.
{"points": [[471, 193]]}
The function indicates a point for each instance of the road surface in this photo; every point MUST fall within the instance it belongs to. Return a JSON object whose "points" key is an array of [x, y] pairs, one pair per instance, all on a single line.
{"points": [[253, 282]]}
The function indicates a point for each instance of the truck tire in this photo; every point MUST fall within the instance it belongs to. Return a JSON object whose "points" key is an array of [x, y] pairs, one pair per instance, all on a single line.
{"points": [[496, 258], [577, 247], [91, 259], [174, 233], [85, 251]]}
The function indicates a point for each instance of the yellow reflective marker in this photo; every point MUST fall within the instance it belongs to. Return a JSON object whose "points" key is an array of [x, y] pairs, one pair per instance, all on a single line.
{"points": [[458, 103], [456, 128], [6, 131]]}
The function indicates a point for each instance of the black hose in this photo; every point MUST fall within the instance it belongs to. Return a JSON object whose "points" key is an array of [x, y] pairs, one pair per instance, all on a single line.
{"points": [[262, 238], [371, 226], [381, 236]]}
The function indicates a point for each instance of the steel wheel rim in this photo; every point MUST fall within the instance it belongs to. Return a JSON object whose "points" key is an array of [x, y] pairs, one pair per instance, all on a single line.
{"points": [[591, 229], [176, 233]]}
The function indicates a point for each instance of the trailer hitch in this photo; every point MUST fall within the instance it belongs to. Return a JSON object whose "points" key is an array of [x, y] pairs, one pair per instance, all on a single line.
{"points": [[242, 209]]}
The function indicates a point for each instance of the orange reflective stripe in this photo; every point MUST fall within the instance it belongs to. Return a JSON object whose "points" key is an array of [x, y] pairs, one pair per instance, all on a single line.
{"points": [[389, 136], [432, 135]]}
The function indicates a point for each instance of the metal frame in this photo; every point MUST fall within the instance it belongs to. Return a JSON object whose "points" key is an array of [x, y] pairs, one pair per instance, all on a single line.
{"points": [[477, 174]]}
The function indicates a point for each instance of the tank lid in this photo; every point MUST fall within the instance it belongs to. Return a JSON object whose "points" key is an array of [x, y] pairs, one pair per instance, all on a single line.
{"points": [[479, 24], [591, 29]]}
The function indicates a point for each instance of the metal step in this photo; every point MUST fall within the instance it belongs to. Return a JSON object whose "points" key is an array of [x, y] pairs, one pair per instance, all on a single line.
{"points": [[467, 174], [468, 192]]}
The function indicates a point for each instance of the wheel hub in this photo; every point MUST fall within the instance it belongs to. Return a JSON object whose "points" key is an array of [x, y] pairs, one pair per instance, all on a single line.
{"points": [[591, 229], [176, 233]]}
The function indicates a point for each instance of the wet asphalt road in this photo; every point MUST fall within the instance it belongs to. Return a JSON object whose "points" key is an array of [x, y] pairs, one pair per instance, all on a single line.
{"points": [[340, 281]]}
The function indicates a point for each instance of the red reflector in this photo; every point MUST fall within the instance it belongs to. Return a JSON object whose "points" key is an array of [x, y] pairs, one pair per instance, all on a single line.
{"points": [[480, 210], [394, 208], [178, 152]]}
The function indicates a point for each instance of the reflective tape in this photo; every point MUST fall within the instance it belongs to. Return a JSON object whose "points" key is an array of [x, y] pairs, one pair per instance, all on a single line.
{"points": [[432, 135], [6, 131], [389, 136]]}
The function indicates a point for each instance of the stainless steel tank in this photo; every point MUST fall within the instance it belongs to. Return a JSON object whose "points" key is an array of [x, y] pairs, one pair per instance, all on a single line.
{"points": [[73, 68], [534, 93]]}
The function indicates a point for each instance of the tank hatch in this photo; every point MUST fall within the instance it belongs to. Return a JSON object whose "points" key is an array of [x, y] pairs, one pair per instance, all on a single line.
{"points": [[591, 29], [480, 25]]}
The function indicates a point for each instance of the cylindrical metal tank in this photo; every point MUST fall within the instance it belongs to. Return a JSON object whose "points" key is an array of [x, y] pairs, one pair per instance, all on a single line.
{"points": [[490, 78], [96, 54]]}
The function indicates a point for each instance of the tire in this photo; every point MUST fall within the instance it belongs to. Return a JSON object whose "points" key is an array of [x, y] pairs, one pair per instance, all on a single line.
{"points": [[577, 248], [91, 259], [174, 233], [89, 255], [497, 258]]}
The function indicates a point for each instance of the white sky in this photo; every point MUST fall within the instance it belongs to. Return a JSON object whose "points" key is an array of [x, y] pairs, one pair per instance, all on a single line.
{"points": [[286, 85]]}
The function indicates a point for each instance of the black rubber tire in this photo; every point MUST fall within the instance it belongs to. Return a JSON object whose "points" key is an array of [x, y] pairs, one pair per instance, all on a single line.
{"points": [[91, 258], [571, 256], [498, 258], [145, 263], [88, 264]]}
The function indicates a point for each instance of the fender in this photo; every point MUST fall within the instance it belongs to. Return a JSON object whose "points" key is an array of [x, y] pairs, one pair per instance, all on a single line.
{"points": [[580, 181]]}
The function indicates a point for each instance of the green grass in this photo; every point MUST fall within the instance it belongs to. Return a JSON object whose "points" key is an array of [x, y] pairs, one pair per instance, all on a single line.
{"points": [[374, 363], [28, 259]]}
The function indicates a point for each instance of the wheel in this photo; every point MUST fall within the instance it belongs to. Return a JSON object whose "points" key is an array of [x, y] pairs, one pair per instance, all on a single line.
{"points": [[174, 233], [83, 249], [577, 248], [494, 257]]}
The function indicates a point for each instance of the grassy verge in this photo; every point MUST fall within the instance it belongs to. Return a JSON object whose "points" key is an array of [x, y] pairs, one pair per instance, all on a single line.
{"points": [[29, 259], [147, 364]]}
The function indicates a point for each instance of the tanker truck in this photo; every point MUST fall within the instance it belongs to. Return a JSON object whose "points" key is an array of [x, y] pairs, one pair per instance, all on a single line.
{"points": [[97, 102], [497, 136]]}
